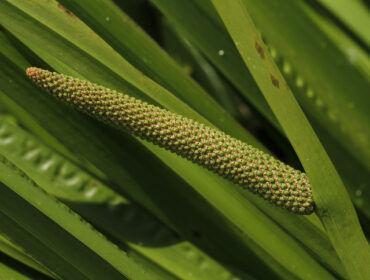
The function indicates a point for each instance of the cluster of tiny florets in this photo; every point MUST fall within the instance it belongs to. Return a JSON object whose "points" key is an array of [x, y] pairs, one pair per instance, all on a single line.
{"points": [[237, 161]]}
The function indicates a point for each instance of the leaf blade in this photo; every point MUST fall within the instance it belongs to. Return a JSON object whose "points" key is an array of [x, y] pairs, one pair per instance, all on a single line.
{"points": [[328, 188]]}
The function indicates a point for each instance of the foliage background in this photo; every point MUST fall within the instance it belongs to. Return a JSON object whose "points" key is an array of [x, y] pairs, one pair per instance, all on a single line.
{"points": [[82, 201]]}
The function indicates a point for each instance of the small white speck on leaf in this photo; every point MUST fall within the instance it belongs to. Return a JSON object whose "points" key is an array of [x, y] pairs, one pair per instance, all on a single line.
{"points": [[90, 193], [221, 52]]}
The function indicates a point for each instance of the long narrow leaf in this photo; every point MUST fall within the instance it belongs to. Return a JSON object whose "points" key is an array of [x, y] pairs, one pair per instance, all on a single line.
{"points": [[334, 206], [18, 254], [10, 269], [324, 90], [354, 14]]}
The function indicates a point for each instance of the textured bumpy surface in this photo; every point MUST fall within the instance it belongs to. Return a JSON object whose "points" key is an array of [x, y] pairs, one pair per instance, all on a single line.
{"points": [[245, 165]]}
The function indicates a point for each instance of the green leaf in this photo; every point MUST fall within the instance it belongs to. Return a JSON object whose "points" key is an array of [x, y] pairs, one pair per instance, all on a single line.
{"points": [[201, 69], [349, 47], [334, 206], [354, 14], [13, 270], [18, 254], [60, 239]]}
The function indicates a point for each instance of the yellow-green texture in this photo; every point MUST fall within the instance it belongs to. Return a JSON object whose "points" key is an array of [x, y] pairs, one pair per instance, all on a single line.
{"points": [[237, 161]]}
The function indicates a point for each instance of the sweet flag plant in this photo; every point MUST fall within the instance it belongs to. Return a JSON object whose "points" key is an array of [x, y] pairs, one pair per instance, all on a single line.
{"points": [[188, 139]]}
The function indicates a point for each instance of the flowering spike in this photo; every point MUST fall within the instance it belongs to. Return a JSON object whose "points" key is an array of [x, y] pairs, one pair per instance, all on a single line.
{"points": [[237, 161]]}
